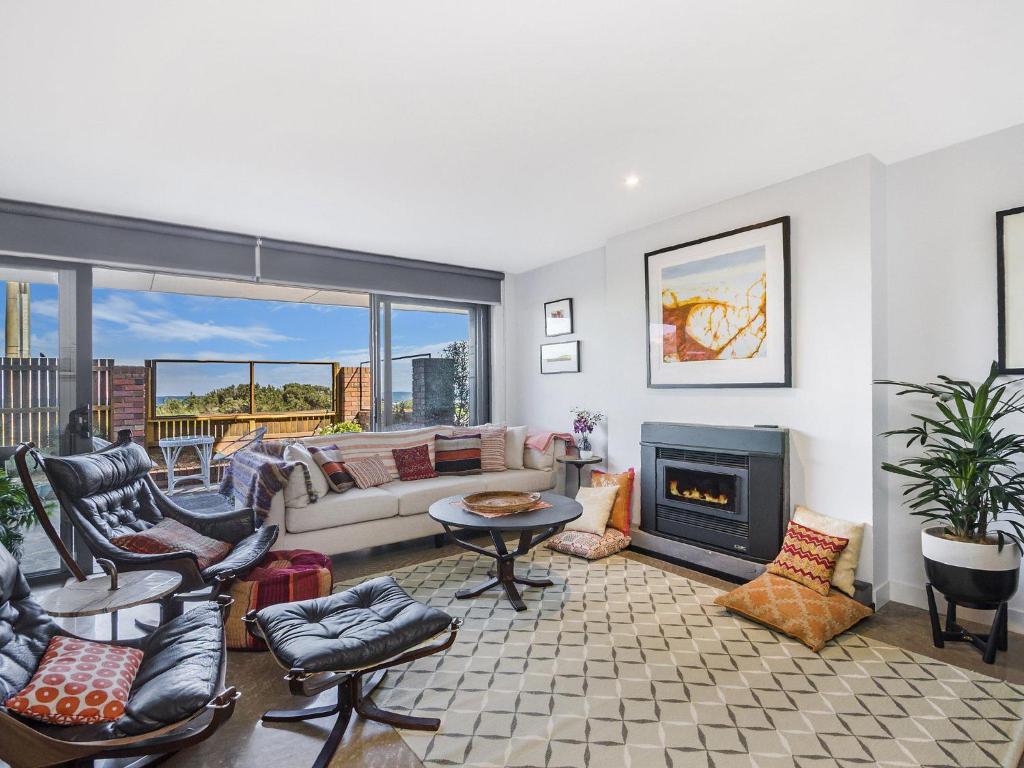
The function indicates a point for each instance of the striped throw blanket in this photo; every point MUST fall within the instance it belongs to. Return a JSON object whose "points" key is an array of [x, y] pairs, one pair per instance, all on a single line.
{"points": [[253, 477]]}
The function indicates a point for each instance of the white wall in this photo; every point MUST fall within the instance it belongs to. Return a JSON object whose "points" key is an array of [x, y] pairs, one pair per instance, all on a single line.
{"points": [[941, 303], [544, 401], [835, 216]]}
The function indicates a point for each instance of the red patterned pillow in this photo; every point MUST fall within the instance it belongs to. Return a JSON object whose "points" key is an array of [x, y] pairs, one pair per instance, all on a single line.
{"points": [[808, 557], [78, 682], [368, 472], [413, 463], [171, 536]]}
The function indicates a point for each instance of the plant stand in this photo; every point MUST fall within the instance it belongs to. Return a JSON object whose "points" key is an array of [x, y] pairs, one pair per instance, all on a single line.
{"points": [[996, 639]]}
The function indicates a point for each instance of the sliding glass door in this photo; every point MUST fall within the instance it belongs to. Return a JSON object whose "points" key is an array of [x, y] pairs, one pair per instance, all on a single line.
{"points": [[430, 364], [39, 392]]}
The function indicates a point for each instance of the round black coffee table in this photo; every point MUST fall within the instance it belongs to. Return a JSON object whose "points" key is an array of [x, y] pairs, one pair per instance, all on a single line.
{"points": [[532, 527]]}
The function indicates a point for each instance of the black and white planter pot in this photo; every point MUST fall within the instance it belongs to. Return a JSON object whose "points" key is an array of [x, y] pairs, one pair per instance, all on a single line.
{"points": [[971, 575]]}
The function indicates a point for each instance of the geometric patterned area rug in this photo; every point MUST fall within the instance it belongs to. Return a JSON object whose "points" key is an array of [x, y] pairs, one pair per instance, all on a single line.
{"points": [[624, 665]]}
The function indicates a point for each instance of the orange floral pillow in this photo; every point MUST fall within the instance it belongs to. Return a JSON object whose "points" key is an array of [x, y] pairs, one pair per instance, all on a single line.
{"points": [[808, 557], [795, 610], [619, 518]]}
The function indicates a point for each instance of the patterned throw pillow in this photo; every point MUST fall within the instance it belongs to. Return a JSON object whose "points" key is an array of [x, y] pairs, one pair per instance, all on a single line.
{"points": [[457, 455], [368, 472], [492, 445], [795, 610], [328, 458], [621, 510], [589, 545], [808, 557], [171, 536], [78, 682], [413, 463]]}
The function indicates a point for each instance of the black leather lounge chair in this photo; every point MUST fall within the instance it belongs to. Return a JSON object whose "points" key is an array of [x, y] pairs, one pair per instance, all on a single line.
{"points": [[110, 493], [178, 698]]}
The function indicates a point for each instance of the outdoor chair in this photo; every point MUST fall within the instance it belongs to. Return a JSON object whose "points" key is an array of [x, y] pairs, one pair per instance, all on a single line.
{"points": [[110, 493], [170, 707]]}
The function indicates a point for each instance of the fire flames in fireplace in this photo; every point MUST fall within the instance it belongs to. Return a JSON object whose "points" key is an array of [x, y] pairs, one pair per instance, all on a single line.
{"points": [[695, 494]]}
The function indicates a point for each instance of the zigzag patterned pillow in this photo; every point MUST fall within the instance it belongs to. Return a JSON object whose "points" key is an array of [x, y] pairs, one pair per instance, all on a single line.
{"points": [[808, 557]]}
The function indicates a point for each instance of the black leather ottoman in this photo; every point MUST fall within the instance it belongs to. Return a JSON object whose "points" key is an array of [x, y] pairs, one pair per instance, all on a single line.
{"points": [[348, 641]]}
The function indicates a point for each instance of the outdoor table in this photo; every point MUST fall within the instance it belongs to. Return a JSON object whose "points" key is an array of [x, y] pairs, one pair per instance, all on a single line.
{"points": [[171, 447]]}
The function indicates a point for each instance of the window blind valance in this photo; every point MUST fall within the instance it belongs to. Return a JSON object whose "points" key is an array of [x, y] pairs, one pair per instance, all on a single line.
{"points": [[120, 241]]}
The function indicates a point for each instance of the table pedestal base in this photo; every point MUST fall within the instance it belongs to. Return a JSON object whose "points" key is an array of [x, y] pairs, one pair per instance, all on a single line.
{"points": [[504, 573]]}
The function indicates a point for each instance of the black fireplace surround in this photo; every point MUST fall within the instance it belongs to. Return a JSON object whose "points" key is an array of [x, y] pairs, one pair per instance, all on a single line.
{"points": [[723, 489]]}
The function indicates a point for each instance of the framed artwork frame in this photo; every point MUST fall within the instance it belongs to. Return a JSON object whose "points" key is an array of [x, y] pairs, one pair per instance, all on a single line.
{"points": [[558, 317], [718, 310], [1010, 289], [560, 357]]}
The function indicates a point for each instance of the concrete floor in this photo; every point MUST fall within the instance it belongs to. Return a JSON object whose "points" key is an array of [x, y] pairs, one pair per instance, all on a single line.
{"points": [[245, 741]]}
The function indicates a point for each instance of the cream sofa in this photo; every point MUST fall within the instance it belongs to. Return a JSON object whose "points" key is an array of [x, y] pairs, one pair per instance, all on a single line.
{"points": [[396, 511]]}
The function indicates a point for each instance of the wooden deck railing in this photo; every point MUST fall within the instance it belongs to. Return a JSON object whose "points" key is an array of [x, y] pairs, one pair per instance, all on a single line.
{"points": [[350, 396]]}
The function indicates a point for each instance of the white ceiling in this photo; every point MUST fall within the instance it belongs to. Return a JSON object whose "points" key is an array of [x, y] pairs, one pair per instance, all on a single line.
{"points": [[493, 134]]}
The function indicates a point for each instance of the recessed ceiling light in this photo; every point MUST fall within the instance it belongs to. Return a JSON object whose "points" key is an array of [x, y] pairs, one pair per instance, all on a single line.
{"points": [[632, 180]]}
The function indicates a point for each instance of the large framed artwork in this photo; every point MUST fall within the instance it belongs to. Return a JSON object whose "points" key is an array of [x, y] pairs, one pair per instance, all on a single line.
{"points": [[718, 311], [1010, 272], [560, 357]]}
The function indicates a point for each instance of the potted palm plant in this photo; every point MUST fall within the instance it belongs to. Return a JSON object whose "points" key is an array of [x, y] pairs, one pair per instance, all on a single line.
{"points": [[16, 514], [964, 481]]}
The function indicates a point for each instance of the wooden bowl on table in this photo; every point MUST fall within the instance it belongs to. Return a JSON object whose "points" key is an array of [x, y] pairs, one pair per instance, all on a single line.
{"points": [[507, 502]]}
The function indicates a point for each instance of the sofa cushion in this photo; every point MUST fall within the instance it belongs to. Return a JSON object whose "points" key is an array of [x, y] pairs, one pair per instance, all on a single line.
{"points": [[519, 480], [328, 458], [414, 463], [414, 498], [515, 445], [457, 455], [492, 445], [334, 509], [368, 472], [358, 445], [299, 452]]}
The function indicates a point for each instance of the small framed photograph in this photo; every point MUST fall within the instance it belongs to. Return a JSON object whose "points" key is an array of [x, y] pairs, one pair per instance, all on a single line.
{"points": [[561, 357], [1010, 270], [558, 317]]}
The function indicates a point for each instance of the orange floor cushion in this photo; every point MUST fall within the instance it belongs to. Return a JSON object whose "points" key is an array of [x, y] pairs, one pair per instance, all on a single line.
{"points": [[794, 609]]}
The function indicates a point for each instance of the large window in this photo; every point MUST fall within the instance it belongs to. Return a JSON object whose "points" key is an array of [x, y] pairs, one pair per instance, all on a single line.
{"points": [[29, 391], [428, 363]]}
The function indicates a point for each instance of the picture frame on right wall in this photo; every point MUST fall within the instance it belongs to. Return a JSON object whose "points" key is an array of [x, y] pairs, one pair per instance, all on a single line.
{"points": [[1010, 288]]}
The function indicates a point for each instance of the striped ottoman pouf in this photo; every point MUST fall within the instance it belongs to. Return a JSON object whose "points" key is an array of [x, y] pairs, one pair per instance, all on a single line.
{"points": [[284, 576]]}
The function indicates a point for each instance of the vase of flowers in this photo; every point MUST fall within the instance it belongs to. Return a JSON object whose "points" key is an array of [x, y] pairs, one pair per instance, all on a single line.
{"points": [[583, 424]]}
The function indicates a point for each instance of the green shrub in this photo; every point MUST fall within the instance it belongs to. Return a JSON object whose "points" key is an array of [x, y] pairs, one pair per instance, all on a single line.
{"points": [[338, 427], [15, 514]]}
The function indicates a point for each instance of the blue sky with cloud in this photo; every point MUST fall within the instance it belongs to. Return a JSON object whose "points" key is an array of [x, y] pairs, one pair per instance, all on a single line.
{"points": [[132, 326]]}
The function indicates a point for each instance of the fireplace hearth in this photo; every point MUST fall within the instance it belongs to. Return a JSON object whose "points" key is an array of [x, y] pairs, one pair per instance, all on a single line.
{"points": [[709, 493]]}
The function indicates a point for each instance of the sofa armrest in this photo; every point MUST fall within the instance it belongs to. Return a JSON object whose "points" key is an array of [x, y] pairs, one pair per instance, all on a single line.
{"points": [[276, 516]]}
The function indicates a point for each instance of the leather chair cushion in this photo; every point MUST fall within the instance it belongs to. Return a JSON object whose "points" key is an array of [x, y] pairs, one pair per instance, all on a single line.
{"points": [[180, 673], [25, 629], [108, 489], [350, 630], [247, 553]]}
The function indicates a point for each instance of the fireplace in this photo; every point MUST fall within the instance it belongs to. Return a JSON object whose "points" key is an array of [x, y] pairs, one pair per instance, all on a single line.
{"points": [[714, 490]]}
